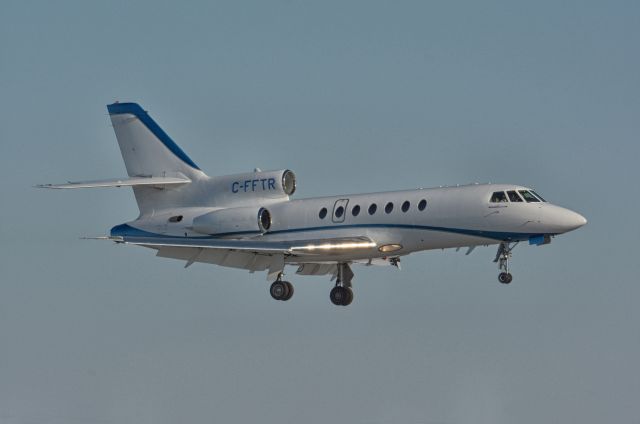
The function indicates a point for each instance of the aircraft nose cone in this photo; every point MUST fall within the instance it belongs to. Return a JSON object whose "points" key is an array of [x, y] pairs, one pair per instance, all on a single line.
{"points": [[568, 220], [581, 220]]}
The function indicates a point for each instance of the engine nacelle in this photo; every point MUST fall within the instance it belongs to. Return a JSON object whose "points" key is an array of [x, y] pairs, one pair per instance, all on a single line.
{"points": [[246, 188], [233, 220]]}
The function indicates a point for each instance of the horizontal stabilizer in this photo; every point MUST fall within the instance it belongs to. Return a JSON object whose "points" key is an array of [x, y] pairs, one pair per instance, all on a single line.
{"points": [[121, 182]]}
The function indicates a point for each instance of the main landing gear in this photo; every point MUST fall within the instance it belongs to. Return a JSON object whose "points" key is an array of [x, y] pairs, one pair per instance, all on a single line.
{"points": [[281, 290], [502, 258], [341, 294]]}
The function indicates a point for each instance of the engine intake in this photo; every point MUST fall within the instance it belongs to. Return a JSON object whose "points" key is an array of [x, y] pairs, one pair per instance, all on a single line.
{"points": [[264, 220]]}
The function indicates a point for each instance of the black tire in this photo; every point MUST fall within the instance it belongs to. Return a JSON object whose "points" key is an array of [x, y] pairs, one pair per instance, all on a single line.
{"points": [[505, 277], [289, 290], [278, 290], [337, 295], [349, 298]]}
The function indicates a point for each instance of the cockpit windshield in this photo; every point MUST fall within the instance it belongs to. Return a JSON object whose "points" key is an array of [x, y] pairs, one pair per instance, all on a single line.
{"points": [[528, 197], [537, 195], [498, 197], [515, 196]]}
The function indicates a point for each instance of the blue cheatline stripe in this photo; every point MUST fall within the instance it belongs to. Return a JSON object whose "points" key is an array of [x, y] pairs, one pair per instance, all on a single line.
{"points": [[127, 230], [138, 112]]}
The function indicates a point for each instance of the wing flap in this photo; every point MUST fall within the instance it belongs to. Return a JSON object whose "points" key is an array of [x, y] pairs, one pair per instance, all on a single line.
{"points": [[316, 269]]}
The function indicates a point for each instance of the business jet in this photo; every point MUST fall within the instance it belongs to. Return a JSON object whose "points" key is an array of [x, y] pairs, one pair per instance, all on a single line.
{"points": [[249, 220]]}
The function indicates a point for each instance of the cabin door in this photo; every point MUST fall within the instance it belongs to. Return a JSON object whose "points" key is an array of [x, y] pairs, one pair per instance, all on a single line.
{"points": [[339, 210]]}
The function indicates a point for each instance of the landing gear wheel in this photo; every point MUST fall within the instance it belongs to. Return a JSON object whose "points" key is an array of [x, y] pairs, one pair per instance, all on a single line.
{"points": [[505, 277], [341, 296], [280, 290], [289, 290], [337, 295], [347, 301]]}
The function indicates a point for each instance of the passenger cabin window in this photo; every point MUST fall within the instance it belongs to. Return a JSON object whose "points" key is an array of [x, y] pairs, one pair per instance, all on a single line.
{"points": [[372, 209], [356, 210], [388, 208], [513, 196], [405, 206], [422, 205], [528, 196], [339, 212], [323, 213], [498, 197]]}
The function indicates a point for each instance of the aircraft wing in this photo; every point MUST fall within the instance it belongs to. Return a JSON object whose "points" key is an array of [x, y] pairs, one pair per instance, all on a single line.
{"points": [[120, 182], [308, 247]]}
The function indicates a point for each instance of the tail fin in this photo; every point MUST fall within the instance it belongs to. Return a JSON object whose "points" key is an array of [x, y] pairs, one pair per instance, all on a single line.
{"points": [[146, 149], [149, 152]]}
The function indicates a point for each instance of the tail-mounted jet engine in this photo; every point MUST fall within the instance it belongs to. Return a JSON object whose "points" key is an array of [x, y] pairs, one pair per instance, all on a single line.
{"points": [[243, 189], [235, 221], [242, 192]]}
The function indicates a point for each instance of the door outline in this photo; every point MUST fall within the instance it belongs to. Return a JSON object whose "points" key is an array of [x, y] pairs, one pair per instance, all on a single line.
{"points": [[343, 203]]}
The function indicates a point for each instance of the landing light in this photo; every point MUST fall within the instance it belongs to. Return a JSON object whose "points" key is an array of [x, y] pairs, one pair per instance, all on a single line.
{"points": [[332, 246]]}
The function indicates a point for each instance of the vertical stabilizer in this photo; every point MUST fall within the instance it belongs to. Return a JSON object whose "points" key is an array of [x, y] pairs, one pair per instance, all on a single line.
{"points": [[149, 152], [146, 149]]}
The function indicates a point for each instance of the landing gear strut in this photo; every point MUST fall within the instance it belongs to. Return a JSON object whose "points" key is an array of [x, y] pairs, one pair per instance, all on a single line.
{"points": [[341, 294], [502, 258], [281, 290]]}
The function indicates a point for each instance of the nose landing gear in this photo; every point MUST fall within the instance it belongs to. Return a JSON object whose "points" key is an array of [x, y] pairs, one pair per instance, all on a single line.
{"points": [[505, 277], [502, 258]]}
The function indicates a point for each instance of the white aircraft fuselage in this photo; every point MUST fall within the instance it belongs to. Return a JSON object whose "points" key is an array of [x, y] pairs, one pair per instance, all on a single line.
{"points": [[249, 221], [460, 216]]}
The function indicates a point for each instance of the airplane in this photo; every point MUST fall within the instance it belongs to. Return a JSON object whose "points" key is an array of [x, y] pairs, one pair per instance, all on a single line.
{"points": [[249, 220]]}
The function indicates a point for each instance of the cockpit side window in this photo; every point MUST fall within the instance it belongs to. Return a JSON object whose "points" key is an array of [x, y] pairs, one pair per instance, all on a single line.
{"points": [[498, 197], [513, 196], [538, 196], [528, 196]]}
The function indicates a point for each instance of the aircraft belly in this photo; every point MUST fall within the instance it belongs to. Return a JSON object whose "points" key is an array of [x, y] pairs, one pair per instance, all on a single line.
{"points": [[443, 240]]}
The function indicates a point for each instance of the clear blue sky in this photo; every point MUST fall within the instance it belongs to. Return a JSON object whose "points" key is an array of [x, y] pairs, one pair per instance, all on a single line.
{"points": [[354, 96]]}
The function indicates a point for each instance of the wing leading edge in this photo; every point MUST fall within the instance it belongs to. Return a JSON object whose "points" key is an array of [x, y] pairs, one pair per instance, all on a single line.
{"points": [[289, 248]]}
